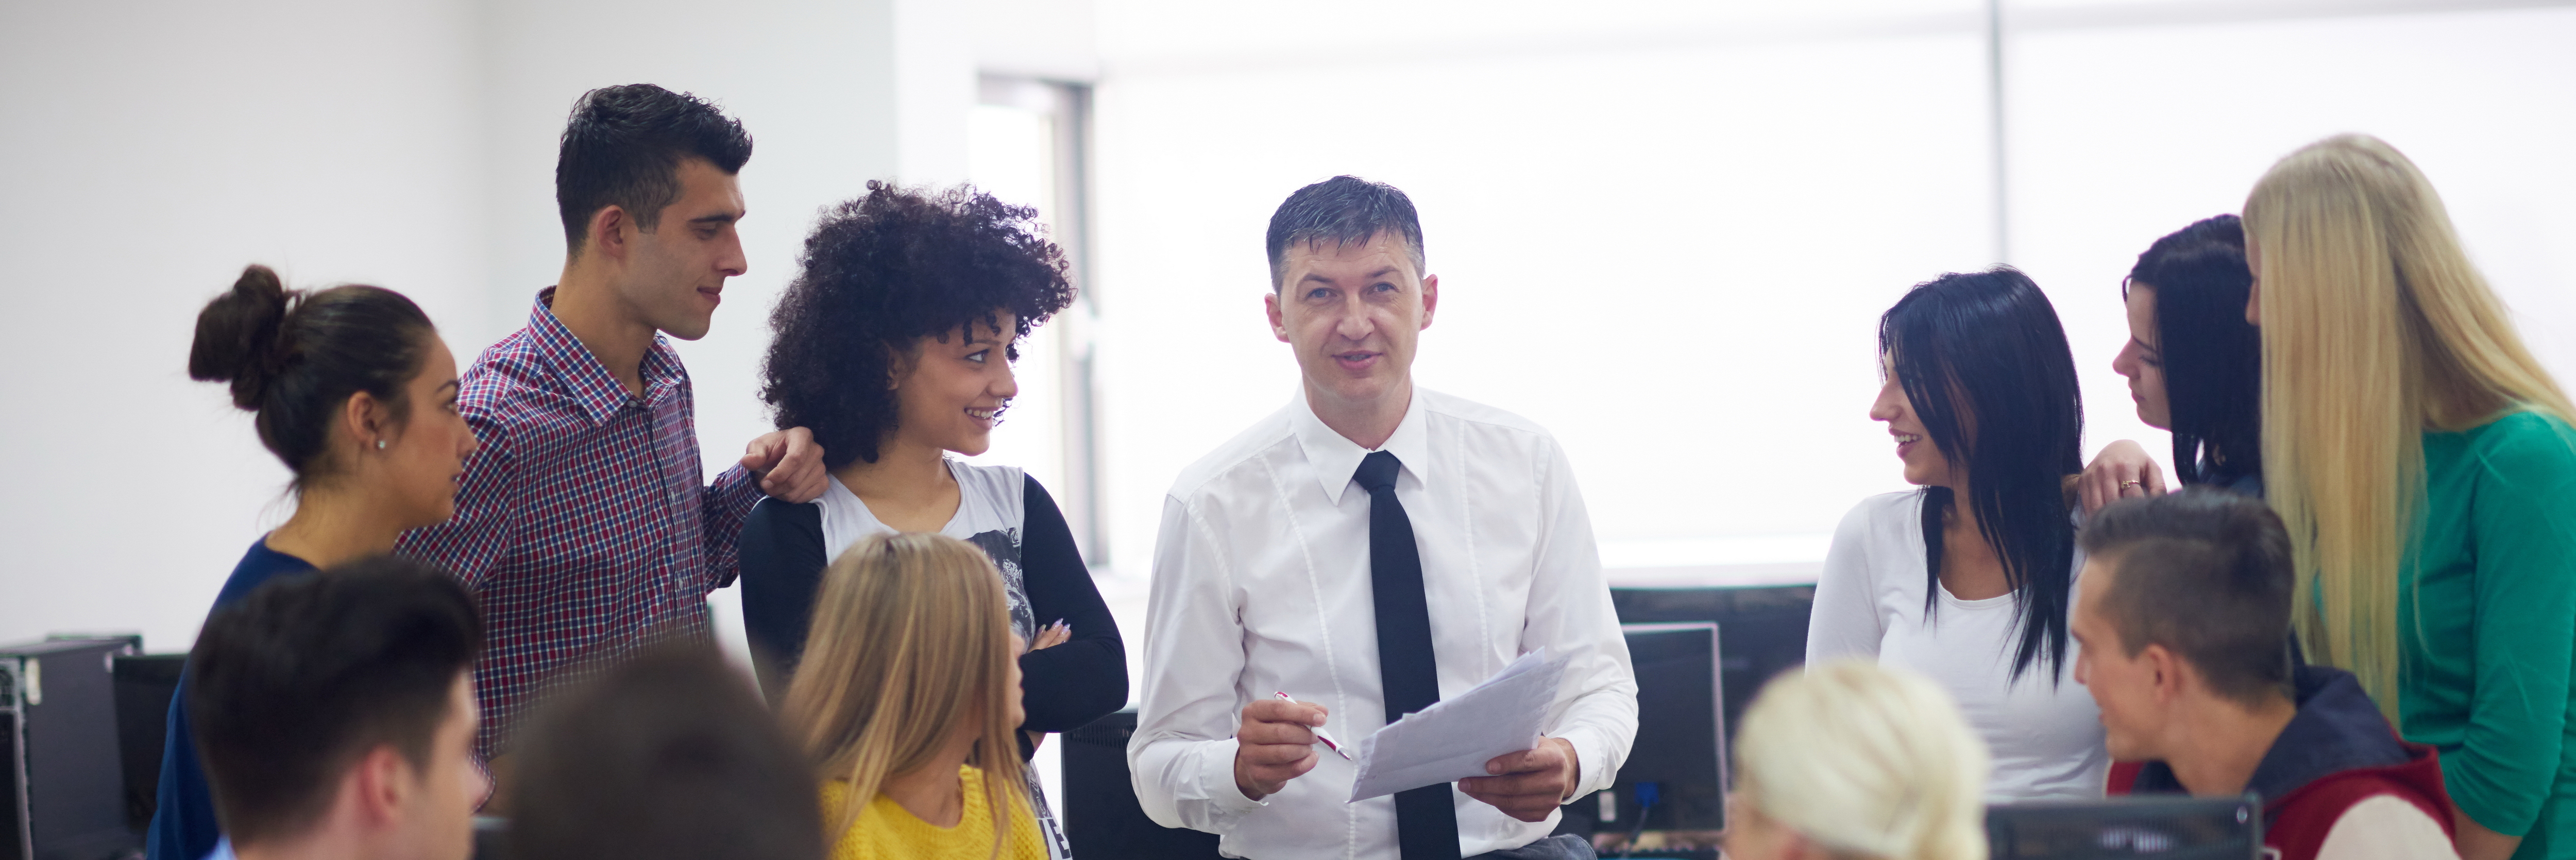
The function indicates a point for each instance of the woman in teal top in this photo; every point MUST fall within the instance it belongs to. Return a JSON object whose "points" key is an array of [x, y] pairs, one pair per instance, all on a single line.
{"points": [[2430, 459], [2490, 602]]}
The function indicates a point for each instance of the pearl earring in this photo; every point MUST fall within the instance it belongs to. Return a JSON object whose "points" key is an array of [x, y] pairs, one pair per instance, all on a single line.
{"points": [[380, 444]]}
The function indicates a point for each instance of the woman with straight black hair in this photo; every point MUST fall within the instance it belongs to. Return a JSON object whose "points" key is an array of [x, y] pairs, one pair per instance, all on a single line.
{"points": [[355, 393], [1967, 580], [2195, 367]]}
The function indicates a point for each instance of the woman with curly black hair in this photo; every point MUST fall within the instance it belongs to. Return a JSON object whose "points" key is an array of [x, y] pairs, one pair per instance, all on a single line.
{"points": [[894, 344]]}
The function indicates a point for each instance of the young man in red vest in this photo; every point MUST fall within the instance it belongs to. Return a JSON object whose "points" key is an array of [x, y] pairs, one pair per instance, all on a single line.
{"points": [[2182, 614]]}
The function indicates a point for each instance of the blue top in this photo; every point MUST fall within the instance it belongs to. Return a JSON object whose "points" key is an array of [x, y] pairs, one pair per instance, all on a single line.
{"points": [[183, 819]]}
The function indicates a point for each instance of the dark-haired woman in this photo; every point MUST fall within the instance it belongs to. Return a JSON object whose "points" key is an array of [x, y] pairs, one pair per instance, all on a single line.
{"points": [[1967, 579], [354, 391], [2195, 367], [894, 344]]}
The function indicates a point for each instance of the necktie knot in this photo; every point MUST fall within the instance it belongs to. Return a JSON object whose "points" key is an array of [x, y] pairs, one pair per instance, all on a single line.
{"points": [[1377, 472]]}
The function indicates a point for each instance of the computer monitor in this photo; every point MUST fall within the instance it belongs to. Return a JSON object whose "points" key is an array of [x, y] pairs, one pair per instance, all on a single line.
{"points": [[2165, 828], [1681, 719], [1761, 631]]}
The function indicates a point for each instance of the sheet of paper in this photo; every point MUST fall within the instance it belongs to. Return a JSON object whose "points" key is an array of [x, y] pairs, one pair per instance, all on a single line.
{"points": [[1452, 739]]}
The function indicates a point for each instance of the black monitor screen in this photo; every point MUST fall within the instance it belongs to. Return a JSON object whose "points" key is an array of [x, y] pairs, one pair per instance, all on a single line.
{"points": [[2166, 828], [1679, 723]]}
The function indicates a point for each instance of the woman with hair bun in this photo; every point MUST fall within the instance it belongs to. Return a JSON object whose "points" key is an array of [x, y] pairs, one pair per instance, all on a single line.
{"points": [[1852, 761], [2425, 464], [353, 390]]}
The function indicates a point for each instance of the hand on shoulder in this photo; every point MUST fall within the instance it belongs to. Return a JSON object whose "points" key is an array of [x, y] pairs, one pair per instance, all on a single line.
{"points": [[788, 463]]}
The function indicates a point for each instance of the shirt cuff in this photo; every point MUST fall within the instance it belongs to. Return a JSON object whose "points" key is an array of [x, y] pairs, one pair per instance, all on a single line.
{"points": [[1216, 780], [1589, 755]]}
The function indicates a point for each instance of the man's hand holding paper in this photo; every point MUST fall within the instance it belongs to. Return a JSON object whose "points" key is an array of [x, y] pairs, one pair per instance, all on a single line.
{"points": [[1530, 784], [1487, 740]]}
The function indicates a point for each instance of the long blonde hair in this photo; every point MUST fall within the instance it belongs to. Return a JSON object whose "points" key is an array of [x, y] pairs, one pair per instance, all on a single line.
{"points": [[1865, 761], [2375, 329], [911, 636]]}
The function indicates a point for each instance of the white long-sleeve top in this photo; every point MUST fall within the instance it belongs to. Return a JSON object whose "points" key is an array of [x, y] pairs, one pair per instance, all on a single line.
{"points": [[1261, 585], [2046, 739]]}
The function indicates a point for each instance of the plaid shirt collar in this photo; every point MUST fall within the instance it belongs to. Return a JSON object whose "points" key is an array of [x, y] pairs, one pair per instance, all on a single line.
{"points": [[585, 378]]}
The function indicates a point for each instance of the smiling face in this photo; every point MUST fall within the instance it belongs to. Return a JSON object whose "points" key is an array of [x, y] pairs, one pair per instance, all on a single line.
{"points": [[2122, 684], [1924, 464], [1353, 314], [424, 460], [953, 389], [2142, 360], [674, 276]]}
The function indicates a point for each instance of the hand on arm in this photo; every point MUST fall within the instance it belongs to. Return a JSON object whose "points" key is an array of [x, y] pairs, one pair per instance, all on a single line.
{"points": [[2121, 470], [788, 463], [1050, 636], [1529, 784], [1275, 744]]}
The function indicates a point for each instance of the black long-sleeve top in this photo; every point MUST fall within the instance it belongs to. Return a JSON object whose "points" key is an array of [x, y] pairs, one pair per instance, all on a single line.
{"points": [[1062, 687]]}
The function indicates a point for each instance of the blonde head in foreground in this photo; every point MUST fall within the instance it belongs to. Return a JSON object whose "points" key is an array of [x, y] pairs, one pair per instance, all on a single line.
{"points": [[2376, 329], [1852, 761], [911, 638]]}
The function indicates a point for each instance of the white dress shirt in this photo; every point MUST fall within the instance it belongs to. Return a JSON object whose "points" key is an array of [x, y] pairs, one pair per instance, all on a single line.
{"points": [[1261, 585], [2043, 730]]}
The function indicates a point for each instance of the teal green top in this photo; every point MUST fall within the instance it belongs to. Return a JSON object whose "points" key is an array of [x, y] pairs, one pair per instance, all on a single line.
{"points": [[2485, 671]]}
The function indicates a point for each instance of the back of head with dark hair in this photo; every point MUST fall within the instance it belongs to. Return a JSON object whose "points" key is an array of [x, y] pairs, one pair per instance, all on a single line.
{"points": [[1344, 210], [2205, 573], [668, 755], [1985, 350], [878, 274], [294, 358], [292, 685], [623, 147], [2213, 358]]}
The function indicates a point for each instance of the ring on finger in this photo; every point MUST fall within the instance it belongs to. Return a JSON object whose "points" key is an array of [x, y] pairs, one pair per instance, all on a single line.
{"points": [[2127, 484]]}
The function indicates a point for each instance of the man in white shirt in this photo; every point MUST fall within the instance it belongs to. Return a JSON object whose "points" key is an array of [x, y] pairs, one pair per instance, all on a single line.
{"points": [[1370, 549]]}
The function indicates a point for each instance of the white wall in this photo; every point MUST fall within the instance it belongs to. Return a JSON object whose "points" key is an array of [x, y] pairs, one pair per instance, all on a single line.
{"points": [[1666, 231], [410, 146], [155, 148]]}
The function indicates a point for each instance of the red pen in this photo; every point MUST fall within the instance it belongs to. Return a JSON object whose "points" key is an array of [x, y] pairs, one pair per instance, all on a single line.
{"points": [[1329, 743]]}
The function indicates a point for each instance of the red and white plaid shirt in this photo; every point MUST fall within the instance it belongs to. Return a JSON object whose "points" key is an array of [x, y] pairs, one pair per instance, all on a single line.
{"points": [[582, 525]]}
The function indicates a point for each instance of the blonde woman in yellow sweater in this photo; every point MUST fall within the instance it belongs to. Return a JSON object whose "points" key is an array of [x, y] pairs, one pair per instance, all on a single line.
{"points": [[905, 701]]}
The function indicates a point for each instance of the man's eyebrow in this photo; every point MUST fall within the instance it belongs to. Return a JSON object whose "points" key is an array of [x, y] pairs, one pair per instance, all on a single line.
{"points": [[1310, 276], [1382, 272], [717, 219]]}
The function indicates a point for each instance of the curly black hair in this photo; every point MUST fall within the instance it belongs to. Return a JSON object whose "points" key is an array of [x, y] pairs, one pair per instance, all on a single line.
{"points": [[880, 273]]}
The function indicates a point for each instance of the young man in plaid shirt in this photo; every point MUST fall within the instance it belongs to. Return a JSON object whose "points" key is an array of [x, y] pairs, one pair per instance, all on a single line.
{"points": [[583, 524]]}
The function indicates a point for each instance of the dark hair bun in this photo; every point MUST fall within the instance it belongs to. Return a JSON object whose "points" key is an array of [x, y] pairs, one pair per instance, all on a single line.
{"points": [[237, 336]]}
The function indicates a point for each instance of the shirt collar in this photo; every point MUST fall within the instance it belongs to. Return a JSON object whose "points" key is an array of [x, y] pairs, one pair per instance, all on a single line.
{"points": [[584, 377], [1337, 458]]}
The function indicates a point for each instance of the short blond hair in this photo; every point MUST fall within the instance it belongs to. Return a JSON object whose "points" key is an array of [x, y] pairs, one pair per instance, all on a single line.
{"points": [[911, 636], [1865, 761]]}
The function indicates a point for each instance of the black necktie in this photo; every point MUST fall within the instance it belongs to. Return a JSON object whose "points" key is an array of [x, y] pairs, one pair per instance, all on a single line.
{"points": [[1426, 818]]}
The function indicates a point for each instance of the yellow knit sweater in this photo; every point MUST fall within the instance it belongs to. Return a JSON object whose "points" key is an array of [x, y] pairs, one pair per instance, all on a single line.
{"points": [[887, 831]]}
